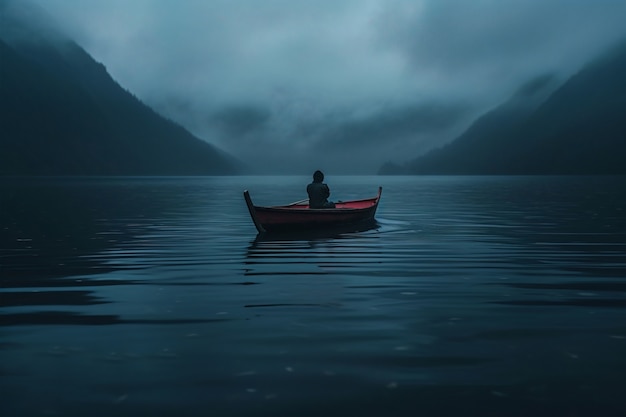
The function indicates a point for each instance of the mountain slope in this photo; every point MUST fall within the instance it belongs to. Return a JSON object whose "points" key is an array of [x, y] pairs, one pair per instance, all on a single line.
{"points": [[62, 114], [578, 129]]}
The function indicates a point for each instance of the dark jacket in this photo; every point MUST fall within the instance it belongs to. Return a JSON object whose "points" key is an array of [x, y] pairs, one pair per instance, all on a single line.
{"points": [[318, 195]]}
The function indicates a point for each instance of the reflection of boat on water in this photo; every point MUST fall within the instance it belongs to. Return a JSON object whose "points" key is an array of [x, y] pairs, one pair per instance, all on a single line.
{"points": [[305, 253], [299, 217]]}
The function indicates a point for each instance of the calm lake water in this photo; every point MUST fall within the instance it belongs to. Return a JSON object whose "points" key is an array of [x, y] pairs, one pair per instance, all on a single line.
{"points": [[154, 296]]}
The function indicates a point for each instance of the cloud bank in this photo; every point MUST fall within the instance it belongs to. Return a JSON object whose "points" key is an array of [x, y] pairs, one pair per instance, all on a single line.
{"points": [[290, 85]]}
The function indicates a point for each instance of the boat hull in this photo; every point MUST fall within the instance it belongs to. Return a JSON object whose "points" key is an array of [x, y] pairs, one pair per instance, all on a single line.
{"points": [[301, 217]]}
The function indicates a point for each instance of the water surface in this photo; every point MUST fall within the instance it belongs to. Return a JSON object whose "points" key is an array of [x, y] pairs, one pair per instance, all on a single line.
{"points": [[155, 296]]}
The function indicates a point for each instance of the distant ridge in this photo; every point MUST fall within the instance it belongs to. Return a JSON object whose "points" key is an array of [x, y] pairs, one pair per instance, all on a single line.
{"points": [[62, 114], [579, 128]]}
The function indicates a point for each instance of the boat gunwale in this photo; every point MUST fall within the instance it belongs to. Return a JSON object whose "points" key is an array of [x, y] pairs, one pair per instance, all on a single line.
{"points": [[290, 207], [306, 211]]}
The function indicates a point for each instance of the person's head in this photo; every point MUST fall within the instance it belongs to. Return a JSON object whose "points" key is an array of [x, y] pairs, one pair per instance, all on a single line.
{"points": [[318, 176]]}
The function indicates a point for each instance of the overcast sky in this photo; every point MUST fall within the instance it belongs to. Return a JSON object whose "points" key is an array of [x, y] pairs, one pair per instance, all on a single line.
{"points": [[293, 85]]}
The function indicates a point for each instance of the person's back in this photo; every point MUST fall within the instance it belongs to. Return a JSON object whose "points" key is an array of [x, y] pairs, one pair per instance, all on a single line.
{"points": [[319, 192]]}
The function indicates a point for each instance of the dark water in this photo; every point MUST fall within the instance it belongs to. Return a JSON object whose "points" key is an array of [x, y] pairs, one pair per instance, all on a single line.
{"points": [[153, 296]]}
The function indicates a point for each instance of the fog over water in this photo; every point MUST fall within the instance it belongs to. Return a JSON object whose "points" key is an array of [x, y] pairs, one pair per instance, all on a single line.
{"points": [[290, 86]]}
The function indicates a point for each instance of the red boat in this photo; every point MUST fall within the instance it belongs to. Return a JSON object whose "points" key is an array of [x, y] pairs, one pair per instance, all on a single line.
{"points": [[297, 216]]}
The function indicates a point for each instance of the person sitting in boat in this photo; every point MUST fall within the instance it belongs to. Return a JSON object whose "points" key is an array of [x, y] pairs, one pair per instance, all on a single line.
{"points": [[319, 192]]}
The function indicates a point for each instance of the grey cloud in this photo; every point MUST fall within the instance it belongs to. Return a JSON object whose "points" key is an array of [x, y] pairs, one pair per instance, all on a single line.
{"points": [[484, 50], [24, 21], [538, 86], [394, 124], [499, 37], [240, 120], [308, 78]]}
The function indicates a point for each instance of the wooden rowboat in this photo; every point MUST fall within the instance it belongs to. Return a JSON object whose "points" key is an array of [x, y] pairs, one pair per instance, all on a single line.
{"points": [[298, 216]]}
